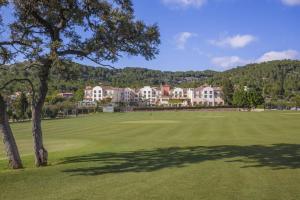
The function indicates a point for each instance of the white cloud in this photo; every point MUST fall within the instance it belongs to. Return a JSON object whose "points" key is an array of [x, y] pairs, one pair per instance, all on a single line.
{"points": [[182, 38], [237, 41], [184, 3], [291, 2], [279, 55], [228, 62]]}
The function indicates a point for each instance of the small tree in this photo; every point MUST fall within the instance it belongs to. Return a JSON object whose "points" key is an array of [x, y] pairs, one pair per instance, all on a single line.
{"points": [[247, 99], [240, 99], [255, 98], [79, 95]]}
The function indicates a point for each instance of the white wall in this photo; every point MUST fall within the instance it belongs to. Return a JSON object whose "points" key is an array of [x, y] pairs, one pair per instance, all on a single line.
{"points": [[97, 93], [177, 93]]}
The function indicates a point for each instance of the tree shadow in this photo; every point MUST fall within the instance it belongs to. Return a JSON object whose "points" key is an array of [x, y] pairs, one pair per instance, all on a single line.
{"points": [[276, 156]]}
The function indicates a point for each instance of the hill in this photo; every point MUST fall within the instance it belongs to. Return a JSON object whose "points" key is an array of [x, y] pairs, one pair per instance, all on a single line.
{"points": [[276, 78]]}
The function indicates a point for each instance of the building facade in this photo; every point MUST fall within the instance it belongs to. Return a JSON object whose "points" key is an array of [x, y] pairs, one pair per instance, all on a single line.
{"points": [[161, 96]]}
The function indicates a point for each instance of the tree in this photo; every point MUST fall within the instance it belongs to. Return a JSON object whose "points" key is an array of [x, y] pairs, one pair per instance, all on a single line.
{"points": [[296, 100], [248, 99], [255, 98], [240, 99], [228, 91], [79, 95], [48, 32], [21, 106], [9, 141]]}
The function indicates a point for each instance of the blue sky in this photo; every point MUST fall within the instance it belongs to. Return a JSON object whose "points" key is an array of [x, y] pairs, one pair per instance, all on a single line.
{"points": [[219, 34]]}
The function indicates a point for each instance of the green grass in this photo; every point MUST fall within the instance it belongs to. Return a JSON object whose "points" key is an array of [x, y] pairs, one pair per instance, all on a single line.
{"points": [[161, 155]]}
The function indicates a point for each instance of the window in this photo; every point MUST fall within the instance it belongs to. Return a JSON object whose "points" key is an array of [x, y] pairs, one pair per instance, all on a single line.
{"points": [[205, 92], [99, 91], [95, 91], [210, 96], [210, 92], [205, 96]]}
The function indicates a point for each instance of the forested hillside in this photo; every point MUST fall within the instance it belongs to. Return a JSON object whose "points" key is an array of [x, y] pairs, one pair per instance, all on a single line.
{"points": [[276, 78]]}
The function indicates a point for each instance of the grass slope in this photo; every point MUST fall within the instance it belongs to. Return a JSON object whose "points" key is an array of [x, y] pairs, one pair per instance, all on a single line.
{"points": [[162, 155]]}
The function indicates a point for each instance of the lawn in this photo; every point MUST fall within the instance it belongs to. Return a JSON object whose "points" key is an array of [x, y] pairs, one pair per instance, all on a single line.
{"points": [[161, 155]]}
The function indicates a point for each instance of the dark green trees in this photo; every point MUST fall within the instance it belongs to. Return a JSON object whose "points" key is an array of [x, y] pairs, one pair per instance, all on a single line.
{"points": [[21, 107], [228, 90], [248, 99]]}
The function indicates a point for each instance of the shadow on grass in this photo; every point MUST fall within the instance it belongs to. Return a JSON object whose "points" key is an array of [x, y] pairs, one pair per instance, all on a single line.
{"points": [[277, 156]]}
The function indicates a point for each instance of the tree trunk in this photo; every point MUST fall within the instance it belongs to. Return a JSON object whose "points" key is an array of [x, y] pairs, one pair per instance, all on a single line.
{"points": [[10, 145], [41, 154]]}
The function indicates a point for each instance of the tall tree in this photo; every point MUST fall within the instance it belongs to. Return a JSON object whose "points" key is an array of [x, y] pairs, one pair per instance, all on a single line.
{"points": [[9, 141], [47, 32], [228, 90], [21, 106], [11, 148]]}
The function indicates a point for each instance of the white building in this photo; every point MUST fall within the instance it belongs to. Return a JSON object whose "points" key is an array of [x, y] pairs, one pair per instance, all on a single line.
{"points": [[204, 95], [97, 93], [129, 95], [207, 96], [177, 93], [149, 95]]}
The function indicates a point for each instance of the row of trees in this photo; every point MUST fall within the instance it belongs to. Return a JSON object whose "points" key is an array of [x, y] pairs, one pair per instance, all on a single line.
{"points": [[253, 96], [46, 33]]}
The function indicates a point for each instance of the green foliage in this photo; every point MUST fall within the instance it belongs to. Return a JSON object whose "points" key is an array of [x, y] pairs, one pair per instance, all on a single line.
{"points": [[255, 98], [296, 100], [240, 99], [264, 76], [228, 90], [175, 101], [78, 95], [247, 99], [21, 108], [271, 77]]}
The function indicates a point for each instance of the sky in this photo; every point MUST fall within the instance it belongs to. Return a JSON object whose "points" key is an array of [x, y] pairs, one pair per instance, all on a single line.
{"points": [[216, 34], [219, 34]]}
